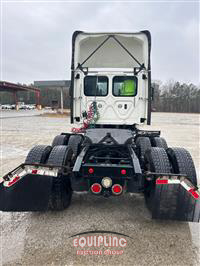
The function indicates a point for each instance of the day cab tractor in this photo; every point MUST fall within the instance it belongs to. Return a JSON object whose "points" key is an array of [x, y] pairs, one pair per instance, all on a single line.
{"points": [[107, 153]]}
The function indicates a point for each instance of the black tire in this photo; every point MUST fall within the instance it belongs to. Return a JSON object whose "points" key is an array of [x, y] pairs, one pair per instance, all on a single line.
{"points": [[87, 141], [75, 142], [143, 144], [60, 155], [61, 189], [182, 163], [159, 142], [170, 201], [156, 160], [38, 154], [60, 140]]}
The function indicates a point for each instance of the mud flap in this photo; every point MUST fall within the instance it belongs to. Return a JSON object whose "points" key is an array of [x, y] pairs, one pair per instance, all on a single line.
{"points": [[30, 193], [175, 202]]}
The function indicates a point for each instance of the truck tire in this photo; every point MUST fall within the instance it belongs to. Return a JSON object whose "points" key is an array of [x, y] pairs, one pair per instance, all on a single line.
{"points": [[156, 160], [38, 154], [182, 163], [60, 155], [61, 188], [143, 144], [75, 142], [159, 142], [167, 201], [60, 140]]}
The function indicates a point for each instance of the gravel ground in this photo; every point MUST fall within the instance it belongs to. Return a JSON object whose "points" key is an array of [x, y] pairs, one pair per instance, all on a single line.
{"points": [[43, 238]]}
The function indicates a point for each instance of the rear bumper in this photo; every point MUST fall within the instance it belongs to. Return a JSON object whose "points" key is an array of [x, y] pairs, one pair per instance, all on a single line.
{"points": [[29, 188]]}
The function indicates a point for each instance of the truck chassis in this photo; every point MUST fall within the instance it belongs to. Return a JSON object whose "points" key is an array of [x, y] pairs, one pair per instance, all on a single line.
{"points": [[105, 162]]}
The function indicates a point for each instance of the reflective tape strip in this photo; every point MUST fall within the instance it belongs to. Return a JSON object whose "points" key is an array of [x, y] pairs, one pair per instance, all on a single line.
{"points": [[50, 173], [40, 172], [161, 181], [13, 181], [29, 170], [194, 193], [174, 181], [185, 185], [22, 173], [183, 182], [15, 178], [34, 171], [167, 181]]}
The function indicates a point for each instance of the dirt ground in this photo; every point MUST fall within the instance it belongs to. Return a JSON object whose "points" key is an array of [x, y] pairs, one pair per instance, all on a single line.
{"points": [[43, 238]]}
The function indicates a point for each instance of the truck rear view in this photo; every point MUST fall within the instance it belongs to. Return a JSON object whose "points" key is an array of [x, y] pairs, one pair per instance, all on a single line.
{"points": [[107, 154]]}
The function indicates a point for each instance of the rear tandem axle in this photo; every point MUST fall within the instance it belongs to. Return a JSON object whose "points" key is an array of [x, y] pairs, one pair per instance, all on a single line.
{"points": [[115, 162]]}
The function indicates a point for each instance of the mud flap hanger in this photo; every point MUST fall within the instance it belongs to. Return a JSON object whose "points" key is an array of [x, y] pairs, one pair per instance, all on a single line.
{"points": [[175, 198], [61, 168], [136, 69], [28, 187]]}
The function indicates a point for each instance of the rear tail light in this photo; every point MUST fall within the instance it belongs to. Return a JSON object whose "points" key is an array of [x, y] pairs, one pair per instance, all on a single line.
{"points": [[116, 189], [96, 188], [91, 170], [123, 171]]}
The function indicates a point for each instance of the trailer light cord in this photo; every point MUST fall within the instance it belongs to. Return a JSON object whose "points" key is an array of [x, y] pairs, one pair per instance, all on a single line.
{"points": [[91, 119]]}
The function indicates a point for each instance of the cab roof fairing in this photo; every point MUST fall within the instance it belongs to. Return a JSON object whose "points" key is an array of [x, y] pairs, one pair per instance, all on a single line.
{"points": [[111, 54]]}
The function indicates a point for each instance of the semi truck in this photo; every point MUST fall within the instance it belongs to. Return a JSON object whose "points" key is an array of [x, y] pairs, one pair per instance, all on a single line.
{"points": [[108, 152]]}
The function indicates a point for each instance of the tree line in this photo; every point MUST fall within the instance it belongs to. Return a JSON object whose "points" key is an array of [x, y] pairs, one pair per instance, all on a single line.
{"points": [[171, 96], [174, 96]]}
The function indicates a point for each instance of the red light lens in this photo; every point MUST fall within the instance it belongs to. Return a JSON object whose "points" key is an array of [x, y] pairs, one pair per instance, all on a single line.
{"points": [[91, 170], [117, 189], [34, 171], [123, 171], [96, 188]]}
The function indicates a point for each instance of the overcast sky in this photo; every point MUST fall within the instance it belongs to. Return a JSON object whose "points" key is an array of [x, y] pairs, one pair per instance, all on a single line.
{"points": [[36, 36]]}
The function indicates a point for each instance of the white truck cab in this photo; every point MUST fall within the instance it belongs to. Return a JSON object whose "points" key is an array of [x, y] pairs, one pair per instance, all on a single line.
{"points": [[112, 70]]}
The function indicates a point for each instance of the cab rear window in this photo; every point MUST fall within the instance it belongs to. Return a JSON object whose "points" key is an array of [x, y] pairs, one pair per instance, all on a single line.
{"points": [[96, 86], [125, 86]]}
